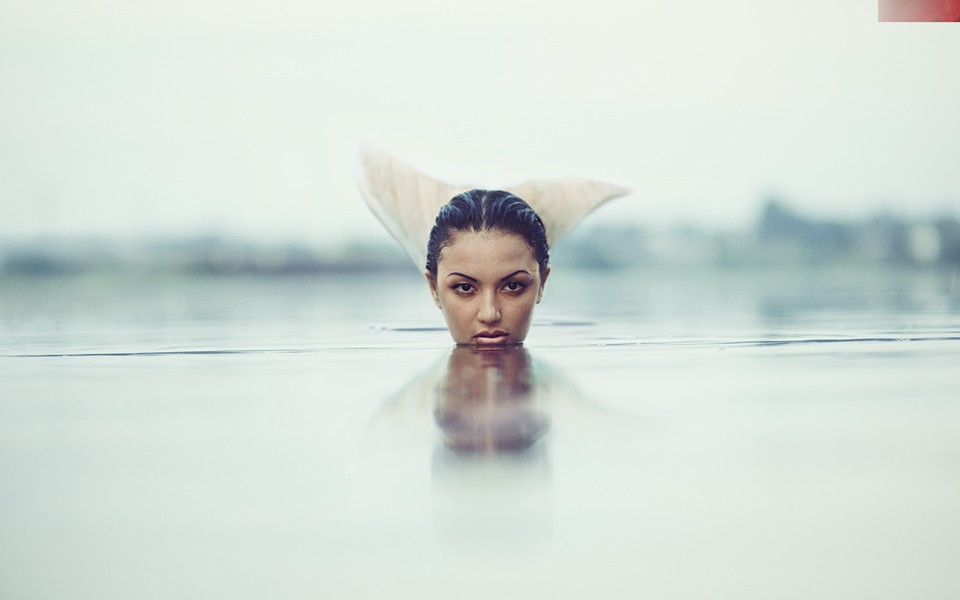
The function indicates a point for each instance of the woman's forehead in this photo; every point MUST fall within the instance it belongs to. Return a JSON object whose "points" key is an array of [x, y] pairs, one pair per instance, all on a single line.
{"points": [[487, 252]]}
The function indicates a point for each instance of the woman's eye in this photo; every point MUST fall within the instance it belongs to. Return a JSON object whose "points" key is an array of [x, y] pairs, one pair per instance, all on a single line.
{"points": [[514, 286], [463, 288]]}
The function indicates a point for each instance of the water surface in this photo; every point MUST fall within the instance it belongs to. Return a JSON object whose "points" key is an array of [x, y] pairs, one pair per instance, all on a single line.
{"points": [[788, 433]]}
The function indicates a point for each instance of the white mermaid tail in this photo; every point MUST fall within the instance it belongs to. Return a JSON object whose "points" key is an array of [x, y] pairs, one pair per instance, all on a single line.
{"points": [[407, 201]]}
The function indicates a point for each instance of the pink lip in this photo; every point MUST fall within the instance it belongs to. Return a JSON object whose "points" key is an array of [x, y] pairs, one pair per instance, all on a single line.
{"points": [[491, 337]]}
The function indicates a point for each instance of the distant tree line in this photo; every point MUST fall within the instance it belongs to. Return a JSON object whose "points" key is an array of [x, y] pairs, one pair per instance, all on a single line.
{"points": [[785, 234], [781, 235]]}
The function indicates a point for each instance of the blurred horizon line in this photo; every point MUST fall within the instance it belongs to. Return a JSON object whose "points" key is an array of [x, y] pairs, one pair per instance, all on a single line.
{"points": [[781, 235]]}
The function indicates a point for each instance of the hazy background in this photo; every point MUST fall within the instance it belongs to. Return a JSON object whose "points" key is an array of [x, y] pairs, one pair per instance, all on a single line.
{"points": [[211, 353], [123, 120]]}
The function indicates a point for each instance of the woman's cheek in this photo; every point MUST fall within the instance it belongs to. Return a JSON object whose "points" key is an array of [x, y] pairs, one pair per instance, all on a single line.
{"points": [[458, 314], [520, 308]]}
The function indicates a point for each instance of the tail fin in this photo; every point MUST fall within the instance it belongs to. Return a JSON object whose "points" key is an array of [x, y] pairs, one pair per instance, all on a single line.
{"points": [[562, 203], [407, 201]]}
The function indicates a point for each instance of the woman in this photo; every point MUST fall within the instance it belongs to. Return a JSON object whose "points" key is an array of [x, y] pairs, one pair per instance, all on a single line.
{"points": [[485, 252], [487, 263]]}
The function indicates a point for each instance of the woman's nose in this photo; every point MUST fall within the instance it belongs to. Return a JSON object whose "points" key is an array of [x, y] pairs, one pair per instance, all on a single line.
{"points": [[489, 309]]}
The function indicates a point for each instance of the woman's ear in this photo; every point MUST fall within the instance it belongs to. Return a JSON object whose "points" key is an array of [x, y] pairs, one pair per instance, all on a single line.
{"points": [[432, 282], [543, 282]]}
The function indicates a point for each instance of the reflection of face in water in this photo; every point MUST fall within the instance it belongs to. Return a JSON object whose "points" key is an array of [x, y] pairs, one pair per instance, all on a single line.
{"points": [[492, 480], [487, 402]]}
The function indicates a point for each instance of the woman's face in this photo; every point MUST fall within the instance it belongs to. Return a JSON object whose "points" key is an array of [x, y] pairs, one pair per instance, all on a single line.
{"points": [[487, 285]]}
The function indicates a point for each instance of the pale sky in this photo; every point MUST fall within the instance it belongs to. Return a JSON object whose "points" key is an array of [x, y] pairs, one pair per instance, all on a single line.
{"points": [[128, 119]]}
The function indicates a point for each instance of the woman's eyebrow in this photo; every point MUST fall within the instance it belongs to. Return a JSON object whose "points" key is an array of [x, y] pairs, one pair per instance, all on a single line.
{"points": [[514, 273], [462, 275]]}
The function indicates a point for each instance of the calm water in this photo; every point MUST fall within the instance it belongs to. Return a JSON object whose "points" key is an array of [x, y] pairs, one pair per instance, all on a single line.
{"points": [[790, 433]]}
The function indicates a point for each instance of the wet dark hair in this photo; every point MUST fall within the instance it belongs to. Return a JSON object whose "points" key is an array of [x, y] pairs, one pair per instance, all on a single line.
{"points": [[487, 210]]}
